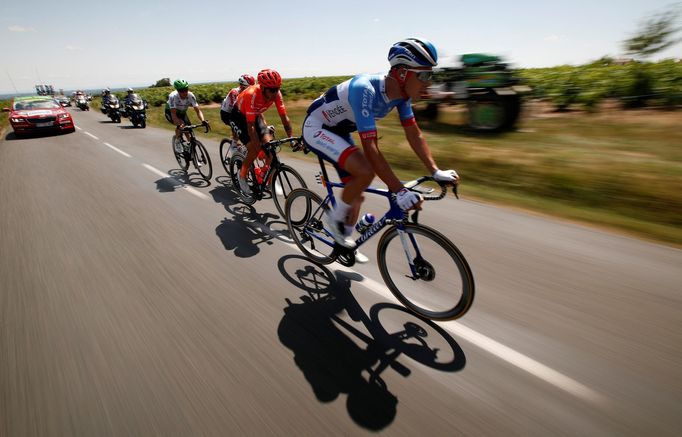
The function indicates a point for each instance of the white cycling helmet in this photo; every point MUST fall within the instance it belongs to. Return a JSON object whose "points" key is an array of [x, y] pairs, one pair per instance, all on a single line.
{"points": [[413, 52]]}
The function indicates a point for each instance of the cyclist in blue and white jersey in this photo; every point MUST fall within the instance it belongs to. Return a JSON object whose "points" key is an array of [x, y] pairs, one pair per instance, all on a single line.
{"points": [[354, 105]]}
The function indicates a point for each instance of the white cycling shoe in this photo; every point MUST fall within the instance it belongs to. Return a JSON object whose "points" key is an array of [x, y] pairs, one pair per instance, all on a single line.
{"points": [[360, 257], [244, 187], [337, 229]]}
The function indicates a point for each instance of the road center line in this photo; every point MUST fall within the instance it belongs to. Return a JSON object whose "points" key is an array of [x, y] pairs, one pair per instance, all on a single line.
{"points": [[90, 135], [117, 150], [191, 190], [489, 345]]}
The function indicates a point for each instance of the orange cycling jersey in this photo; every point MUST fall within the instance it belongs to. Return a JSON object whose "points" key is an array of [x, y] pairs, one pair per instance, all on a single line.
{"points": [[251, 103]]}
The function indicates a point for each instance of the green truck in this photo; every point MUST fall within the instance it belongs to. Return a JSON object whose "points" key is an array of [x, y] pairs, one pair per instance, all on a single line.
{"points": [[489, 88]]}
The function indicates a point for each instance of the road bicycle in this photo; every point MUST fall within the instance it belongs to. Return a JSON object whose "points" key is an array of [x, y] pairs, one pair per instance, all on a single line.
{"points": [[193, 151], [229, 146], [277, 179], [421, 267]]}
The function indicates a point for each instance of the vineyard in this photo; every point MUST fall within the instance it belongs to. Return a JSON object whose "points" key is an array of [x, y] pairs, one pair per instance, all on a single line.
{"points": [[634, 84], [292, 89]]}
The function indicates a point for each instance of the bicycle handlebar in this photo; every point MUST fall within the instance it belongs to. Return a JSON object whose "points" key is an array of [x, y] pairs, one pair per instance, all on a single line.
{"points": [[426, 194], [189, 127], [296, 143]]}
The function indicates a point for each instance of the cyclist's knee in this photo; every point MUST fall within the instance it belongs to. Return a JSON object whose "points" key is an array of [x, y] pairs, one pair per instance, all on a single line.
{"points": [[363, 172]]}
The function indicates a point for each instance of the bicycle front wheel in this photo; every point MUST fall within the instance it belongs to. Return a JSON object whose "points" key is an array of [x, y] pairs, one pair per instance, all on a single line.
{"points": [[225, 152], [426, 272], [202, 161], [180, 157], [304, 211], [283, 182]]}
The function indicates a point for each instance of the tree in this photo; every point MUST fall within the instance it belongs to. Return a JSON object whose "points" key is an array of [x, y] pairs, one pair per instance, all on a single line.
{"points": [[162, 82], [656, 33]]}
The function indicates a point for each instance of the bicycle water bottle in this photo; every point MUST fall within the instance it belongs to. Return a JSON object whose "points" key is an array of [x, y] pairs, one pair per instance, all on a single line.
{"points": [[364, 223]]}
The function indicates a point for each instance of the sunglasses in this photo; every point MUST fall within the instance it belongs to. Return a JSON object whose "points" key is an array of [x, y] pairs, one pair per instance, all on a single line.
{"points": [[423, 75], [272, 90]]}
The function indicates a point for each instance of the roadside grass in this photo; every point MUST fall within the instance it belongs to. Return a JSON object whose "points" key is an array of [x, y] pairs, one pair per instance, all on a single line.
{"points": [[4, 116], [611, 173]]}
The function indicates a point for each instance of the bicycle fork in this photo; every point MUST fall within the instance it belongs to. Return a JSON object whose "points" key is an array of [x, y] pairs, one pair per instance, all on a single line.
{"points": [[406, 240]]}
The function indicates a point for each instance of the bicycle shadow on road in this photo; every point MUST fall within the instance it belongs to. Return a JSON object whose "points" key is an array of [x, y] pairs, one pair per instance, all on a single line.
{"points": [[246, 229], [178, 179], [325, 342]]}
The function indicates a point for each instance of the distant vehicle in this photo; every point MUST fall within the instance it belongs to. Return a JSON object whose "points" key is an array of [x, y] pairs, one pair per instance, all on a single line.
{"points": [[37, 114], [136, 111], [82, 102], [112, 109], [63, 100], [489, 88]]}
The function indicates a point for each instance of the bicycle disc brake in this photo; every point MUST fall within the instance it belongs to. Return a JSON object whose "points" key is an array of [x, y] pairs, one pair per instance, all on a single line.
{"points": [[425, 270]]}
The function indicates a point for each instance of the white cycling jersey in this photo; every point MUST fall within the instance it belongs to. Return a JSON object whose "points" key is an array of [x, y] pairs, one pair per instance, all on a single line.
{"points": [[230, 100], [180, 104]]}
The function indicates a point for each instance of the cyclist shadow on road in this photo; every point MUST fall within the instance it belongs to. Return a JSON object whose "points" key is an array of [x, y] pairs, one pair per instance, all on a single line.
{"points": [[324, 329], [246, 229]]}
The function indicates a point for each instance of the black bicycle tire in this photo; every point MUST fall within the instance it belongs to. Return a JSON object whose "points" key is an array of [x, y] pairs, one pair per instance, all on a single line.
{"points": [[198, 145], [292, 227], [468, 287], [284, 169], [179, 157], [224, 160]]}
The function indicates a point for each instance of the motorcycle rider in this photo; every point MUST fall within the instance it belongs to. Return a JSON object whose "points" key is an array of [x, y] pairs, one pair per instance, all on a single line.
{"points": [[106, 98], [128, 100], [130, 96]]}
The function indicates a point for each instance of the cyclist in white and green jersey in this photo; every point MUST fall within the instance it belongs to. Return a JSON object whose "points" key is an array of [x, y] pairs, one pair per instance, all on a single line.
{"points": [[176, 107]]}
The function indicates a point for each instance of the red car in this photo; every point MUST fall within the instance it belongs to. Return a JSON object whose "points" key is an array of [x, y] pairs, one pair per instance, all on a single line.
{"points": [[38, 114]]}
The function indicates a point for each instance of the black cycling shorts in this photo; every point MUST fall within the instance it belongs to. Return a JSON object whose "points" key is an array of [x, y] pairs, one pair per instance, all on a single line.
{"points": [[183, 117], [225, 117], [238, 123]]}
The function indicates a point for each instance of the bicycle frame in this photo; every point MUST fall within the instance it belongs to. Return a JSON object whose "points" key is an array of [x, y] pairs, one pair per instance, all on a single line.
{"points": [[395, 215]]}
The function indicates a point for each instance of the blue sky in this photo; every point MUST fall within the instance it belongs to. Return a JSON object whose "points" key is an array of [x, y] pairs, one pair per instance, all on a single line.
{"points": [[94, 44]]}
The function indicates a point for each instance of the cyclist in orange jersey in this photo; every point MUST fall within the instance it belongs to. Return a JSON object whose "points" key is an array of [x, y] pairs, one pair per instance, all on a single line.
{"points": [[248, 122]]}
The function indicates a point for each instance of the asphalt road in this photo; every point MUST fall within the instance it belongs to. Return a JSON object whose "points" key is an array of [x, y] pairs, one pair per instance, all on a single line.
{"points": [[132, 303]]}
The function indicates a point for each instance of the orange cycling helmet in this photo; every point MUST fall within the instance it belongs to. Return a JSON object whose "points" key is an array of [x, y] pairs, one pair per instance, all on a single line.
{"points": [[269, 78]]}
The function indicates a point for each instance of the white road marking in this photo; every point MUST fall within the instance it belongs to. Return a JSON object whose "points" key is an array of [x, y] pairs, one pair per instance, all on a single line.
{"points": [[191, 190], [117, 150], [79, 128], [489, 345], [90, 135]]}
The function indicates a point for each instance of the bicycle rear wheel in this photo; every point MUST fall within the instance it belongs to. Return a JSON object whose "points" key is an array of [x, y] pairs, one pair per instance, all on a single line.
{"points": [[437, 284], [284, 181], [304, 211], [202, 161], [181, 157]]}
